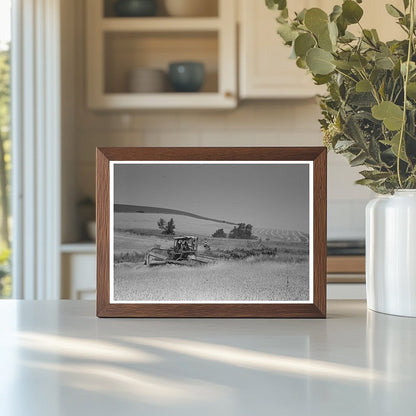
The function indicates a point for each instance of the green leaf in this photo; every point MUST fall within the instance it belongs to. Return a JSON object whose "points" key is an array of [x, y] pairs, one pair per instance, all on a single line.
{"points": [[362, 99], [343, 145], [351, 11], [388, 112], [321, 79], [358, 160], [363, 86], [325, 42], [301, 15], [276, 4], [342, 25], [394, 145], [333, 32], [374, 174], [287, 33], [301, 63], [365, 182], [412, 67], [384, 62], [316, 20], [319, 61], [303, 43], [345, 65], [368, 36], [375, 35], [411, 90], [353, 131], [393, 11], [347, 37], [406, 4], [358, 61], [374, 150], [336, 12]]}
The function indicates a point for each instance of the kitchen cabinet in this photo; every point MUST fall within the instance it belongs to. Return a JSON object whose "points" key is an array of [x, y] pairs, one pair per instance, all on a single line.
{"points": [[346, 277], [265, 70], [118, 45], [78, 263]]}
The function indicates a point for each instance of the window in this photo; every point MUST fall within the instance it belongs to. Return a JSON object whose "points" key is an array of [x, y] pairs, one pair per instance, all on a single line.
{"points": [[5, 147]]}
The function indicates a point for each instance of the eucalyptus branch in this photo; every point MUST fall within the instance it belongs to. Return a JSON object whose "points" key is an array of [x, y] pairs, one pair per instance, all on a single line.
{"points": [[406, 80], [373, 88], [352, 118], [346, 75]]}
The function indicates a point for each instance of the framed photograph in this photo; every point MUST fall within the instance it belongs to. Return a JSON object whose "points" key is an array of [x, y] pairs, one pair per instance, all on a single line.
{"points": [[211, 232]]}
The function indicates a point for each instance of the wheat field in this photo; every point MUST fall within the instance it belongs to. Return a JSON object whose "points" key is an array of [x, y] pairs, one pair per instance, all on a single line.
{"points": [[229, 281], [272, 267]]}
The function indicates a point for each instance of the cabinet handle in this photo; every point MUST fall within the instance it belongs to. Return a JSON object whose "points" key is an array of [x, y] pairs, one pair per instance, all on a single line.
{"points": [[229, 94]]}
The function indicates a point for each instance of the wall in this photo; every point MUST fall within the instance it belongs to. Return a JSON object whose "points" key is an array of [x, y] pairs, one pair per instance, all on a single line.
{"points": [[256, 123]]}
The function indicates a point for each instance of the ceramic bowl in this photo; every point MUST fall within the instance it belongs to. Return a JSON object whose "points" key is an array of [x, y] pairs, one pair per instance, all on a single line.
{"points": [[186, 76], [147, 80], [135, 8], [191, 8]]}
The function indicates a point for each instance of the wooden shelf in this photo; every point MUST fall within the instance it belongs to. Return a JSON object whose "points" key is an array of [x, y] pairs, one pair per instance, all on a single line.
{"points": [[160, 24], [200, 100], [346, 269], [346, 264], [87, 247]]}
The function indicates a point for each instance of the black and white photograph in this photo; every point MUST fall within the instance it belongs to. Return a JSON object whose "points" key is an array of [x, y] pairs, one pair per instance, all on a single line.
{"points": [[206, 232]]}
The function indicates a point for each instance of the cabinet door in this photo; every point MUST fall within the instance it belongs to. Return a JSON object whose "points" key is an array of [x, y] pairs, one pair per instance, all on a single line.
{"points": [[376, 17], [78, 276], [265, 68]]}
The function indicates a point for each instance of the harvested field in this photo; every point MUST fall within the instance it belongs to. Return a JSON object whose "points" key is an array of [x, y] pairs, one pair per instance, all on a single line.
{"points": [[223, 281]]}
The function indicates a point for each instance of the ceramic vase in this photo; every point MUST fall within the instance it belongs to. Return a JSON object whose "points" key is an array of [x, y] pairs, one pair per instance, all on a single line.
{"points": [[391, 253]]}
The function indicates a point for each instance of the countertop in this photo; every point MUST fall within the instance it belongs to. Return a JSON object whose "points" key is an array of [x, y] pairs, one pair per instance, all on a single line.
{"points": [[57, 358]]}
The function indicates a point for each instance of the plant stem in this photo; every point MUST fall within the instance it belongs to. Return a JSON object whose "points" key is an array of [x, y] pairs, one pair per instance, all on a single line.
{"points": [[346, 75], [406, 80]]}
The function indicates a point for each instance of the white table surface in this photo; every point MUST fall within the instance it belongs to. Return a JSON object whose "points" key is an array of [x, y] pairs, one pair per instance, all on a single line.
{"points": [[57, 358]]}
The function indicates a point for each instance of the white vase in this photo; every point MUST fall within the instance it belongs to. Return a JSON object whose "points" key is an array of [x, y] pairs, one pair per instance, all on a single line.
{"points": [[391, 253]]}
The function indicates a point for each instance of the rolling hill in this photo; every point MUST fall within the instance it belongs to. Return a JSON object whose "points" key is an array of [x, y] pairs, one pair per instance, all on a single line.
{"points": [[157, 210]]}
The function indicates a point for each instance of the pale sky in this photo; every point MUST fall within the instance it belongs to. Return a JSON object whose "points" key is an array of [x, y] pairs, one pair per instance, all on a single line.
{"points": [[5, 19], [269, 196]]}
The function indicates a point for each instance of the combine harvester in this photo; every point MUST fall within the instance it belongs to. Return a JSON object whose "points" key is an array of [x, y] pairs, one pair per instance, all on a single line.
{"points": [[184, 253]]}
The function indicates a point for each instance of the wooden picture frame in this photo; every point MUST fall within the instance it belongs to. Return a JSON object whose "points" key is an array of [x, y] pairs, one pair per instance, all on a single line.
{"points": [[110, 161]]}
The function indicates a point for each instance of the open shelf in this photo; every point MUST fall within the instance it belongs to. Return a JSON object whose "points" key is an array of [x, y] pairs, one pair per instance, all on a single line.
{"points": [[119, 45], [167, 100], [87, 247], [160, 24], [126, 51]]}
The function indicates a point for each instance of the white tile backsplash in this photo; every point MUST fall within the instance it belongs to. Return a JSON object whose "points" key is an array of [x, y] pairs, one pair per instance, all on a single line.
{"points": [[346, 218], [258, 123]]}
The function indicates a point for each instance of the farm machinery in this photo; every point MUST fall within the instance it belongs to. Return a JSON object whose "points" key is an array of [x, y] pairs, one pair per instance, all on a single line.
{"points": [[184, 252]]}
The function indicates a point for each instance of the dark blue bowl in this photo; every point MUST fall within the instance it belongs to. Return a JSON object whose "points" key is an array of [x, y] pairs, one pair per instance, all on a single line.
{"points": [[135, 8], [186, 76]]}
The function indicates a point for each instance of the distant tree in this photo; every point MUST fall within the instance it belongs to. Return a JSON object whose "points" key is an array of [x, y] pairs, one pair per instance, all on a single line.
{"points": [[166, 227], [220, 233], [242, 231], [161, 224], [4, 144]]}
